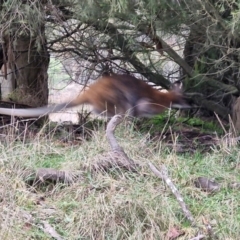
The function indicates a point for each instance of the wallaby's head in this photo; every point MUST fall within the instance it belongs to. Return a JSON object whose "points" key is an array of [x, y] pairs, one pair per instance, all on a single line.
{"points": [[159, 101], [177, 97]]}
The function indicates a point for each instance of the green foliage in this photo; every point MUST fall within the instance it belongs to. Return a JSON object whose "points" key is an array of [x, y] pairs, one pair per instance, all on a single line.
{"points": [[136, 12], [204, 125], [23, 20], [51, 160], [165, 121]]}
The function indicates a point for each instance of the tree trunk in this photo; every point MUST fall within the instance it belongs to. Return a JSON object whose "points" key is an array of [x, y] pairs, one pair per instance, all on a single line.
{"points": [[26, 62]]}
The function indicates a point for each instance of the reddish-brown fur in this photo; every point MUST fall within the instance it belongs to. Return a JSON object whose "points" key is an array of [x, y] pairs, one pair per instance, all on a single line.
{"points": [[115, 94]]}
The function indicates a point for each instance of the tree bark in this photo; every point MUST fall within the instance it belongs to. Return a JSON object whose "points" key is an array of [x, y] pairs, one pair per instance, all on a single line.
{"points": [[26, 61]]}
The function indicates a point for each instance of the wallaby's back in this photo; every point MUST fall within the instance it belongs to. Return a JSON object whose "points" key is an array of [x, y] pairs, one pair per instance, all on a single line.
{"points": [[115, 94], [124, 93]]}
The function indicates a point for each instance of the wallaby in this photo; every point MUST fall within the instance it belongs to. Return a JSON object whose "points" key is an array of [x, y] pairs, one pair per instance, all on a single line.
{"points": [[115, 94]]}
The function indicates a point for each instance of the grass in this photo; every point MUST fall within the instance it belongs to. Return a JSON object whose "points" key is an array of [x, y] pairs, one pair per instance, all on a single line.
{"points": [[118, 204], [160, 121]]}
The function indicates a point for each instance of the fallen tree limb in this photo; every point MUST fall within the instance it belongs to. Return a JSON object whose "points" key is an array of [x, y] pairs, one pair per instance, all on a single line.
{"points": [[42, 175], [164, 176], [111, 127], [48, 229], [116, 158]]}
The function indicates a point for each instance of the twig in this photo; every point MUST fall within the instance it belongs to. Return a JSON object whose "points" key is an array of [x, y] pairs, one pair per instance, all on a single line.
{"points": [[113, 123], [163, 175], [117, 157], [50, 174], [198, 237], [47, 228], [220, 122]]}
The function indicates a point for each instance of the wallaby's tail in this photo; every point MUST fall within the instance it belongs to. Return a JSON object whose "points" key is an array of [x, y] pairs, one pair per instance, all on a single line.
{"points": [[41, 111]]}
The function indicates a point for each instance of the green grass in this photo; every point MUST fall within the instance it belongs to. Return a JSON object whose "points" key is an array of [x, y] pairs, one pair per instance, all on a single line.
{"points": [[166, 120], [118, 204]]}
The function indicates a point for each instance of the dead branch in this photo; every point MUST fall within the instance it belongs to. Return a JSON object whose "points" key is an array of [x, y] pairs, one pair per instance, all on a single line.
{"points": [[42, 175], [113, 159], [164, 176], [198, 237], [120, 40], [116, 158], [111, 127], [48, 229]]}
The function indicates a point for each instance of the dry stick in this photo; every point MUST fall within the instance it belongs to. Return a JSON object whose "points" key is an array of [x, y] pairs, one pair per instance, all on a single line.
{"points": [[121, 158], [116, 157], [42, 175], [163, 175], [199, 237], [113, 123], [220, 122], [48, 229]]}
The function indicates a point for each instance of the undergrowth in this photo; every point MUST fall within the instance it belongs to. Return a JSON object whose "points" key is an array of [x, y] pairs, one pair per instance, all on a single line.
{"points": [[117, 204], [166, 120]]}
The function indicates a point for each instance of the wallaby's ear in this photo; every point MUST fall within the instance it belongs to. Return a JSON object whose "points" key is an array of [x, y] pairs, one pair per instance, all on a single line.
{"points": [[180, 101]]}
